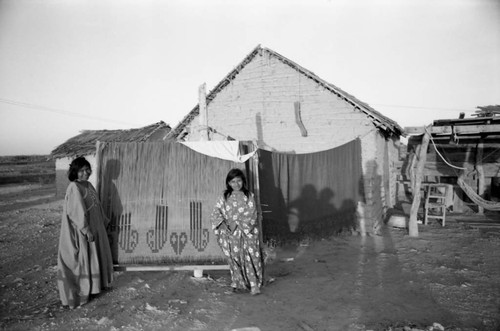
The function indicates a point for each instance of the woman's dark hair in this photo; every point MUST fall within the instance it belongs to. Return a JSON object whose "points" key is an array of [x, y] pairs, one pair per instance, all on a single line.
{"points": [[233, 173], [75, 166]]}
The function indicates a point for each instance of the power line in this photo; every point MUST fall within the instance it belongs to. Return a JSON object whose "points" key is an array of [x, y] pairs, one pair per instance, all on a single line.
{"points": [[74, 114], [426, 108], [59, 111]]}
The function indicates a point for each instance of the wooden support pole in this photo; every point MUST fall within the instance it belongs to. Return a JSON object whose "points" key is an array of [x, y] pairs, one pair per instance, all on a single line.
{"points": [[480, 174], [256, 189], [203, 116], [412, 166], [98, 168], [422, 157]]}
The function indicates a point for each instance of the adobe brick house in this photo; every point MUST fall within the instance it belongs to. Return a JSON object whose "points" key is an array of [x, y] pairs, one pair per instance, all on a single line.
{"points": [[84, 144], [284, 107]]}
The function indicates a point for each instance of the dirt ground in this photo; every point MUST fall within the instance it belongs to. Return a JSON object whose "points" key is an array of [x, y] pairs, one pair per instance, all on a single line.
{"points": [[446, 279]]}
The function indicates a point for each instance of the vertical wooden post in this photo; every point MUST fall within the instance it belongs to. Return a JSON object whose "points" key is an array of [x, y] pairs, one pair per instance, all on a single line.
{"points": [[422, 157], [480, 173], [203, 119], [98, 157], [253, 164], [254, 161], [412, 166]]}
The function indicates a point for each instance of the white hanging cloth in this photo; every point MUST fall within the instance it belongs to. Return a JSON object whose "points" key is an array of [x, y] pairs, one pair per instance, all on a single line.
{"points": [[223, 149]]}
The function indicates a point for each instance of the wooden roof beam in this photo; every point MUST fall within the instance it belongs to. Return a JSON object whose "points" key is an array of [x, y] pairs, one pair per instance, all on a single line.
{"points": [[458, 129]]}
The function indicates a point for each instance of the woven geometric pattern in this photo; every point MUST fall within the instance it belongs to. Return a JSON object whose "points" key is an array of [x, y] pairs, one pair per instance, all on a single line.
{"points": [[159, 197]]}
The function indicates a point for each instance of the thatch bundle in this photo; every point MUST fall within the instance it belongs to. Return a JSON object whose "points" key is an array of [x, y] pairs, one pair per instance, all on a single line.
{"points": [[84, 143]]}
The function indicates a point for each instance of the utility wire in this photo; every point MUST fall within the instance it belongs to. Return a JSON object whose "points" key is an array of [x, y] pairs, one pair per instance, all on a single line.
{"points": [[425, 108], [59, 111], [74, 114]]}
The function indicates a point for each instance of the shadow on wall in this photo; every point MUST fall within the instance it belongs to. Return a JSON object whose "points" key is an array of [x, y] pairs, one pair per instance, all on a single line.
{"points": [[312, 215], [373, 207]]}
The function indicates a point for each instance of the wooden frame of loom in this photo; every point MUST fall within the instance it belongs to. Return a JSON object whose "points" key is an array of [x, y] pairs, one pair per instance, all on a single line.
{"points": [[252, 174], [197, 269]]}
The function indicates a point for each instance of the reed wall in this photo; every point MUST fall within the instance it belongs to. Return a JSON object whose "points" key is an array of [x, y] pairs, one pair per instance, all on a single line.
{"points": [[159, 197]]}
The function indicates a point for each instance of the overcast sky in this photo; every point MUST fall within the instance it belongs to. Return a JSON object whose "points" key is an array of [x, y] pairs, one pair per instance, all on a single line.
{"points": [[68, 66]]}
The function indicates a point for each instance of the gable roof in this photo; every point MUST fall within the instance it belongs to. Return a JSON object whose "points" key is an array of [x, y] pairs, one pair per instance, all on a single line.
{"points": [[85, 142], [380, 121]]}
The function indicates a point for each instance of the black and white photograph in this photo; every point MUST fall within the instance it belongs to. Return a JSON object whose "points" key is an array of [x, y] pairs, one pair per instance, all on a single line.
{"points": [[250, 165]]}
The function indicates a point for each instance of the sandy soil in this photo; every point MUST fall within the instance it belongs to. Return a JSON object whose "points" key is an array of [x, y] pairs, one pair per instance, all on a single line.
{"points": [[446, 279]]}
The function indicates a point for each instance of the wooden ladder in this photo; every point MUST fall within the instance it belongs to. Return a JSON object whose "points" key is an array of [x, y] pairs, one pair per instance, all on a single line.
{"points": [[435, 202]]}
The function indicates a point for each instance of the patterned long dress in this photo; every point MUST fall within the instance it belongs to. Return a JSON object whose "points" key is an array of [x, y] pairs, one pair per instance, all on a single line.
{"points": [[235, 225], [83, 268]]}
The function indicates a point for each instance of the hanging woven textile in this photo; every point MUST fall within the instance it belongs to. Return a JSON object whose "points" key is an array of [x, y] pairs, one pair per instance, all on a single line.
{"points": [[312, 195], [158, 197]]}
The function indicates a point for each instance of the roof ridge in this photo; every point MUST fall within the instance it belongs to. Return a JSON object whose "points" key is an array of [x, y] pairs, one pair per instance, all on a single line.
{"points": [[376, 117]]}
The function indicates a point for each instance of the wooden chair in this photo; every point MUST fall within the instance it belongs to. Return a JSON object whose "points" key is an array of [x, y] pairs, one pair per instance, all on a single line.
{"points": [[435, 202]]}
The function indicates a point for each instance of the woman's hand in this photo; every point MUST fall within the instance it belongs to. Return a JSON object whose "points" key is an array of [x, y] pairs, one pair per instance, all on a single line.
{"points": [[224, 226], [90, 237]]}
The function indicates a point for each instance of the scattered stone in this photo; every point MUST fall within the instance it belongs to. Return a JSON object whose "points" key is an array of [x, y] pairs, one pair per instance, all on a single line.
{"points": [[304, 326], [52, 268], [151, 308], [437, 327], [104, 321]]}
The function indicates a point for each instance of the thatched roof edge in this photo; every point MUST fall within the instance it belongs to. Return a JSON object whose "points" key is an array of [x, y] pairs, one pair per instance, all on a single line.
{"points": [[85, 142]]}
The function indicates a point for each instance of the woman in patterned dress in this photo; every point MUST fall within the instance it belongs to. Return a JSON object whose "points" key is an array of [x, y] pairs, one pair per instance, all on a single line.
{"points": [[234, 221], [84, 261]]}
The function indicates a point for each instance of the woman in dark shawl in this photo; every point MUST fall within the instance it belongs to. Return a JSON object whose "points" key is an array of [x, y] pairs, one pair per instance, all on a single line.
{"points": [[84, 261]]}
